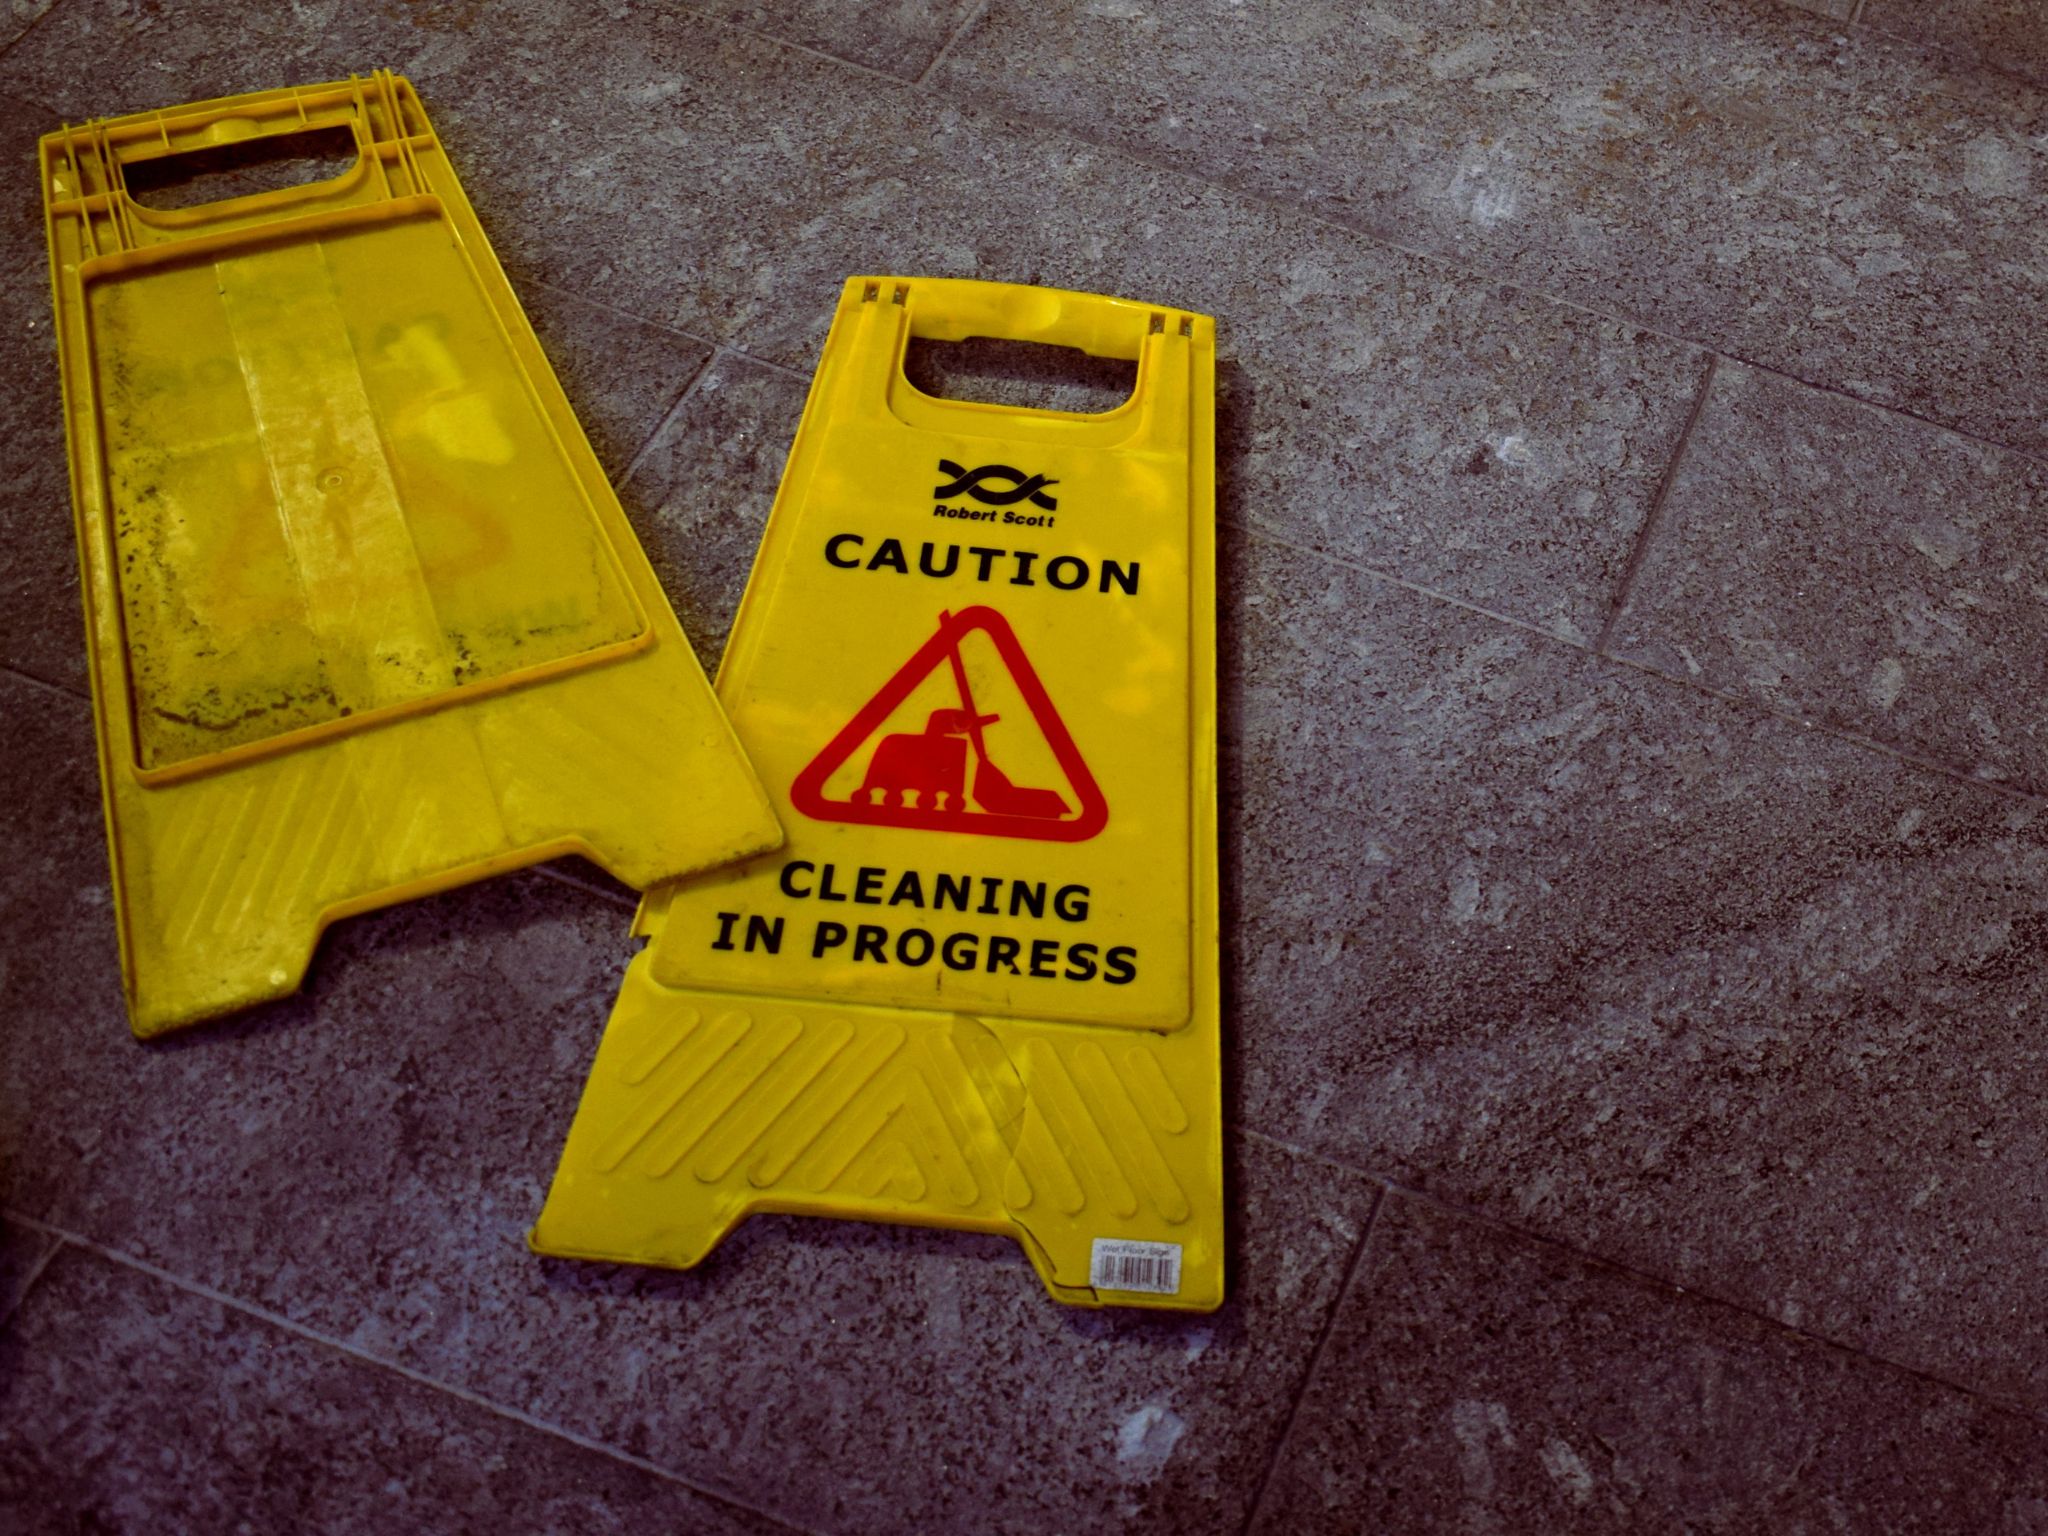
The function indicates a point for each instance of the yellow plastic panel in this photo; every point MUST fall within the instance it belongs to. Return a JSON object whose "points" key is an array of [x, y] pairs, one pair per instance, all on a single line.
{"points": [[978, 987], [365, 619]]}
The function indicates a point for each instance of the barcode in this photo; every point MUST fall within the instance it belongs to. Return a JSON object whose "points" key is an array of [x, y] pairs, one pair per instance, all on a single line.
{"points": [[1123, 1264]]}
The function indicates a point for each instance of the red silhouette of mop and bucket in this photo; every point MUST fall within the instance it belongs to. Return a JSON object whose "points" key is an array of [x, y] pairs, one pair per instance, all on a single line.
{"points": [[942, 778]]}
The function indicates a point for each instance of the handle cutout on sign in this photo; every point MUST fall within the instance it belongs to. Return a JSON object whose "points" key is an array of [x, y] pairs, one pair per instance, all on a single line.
{"points": [[219, 173], [1032, 375]]}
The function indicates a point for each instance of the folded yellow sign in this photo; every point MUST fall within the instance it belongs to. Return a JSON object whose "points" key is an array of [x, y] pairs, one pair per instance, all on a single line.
{"points": [[365, 619]]}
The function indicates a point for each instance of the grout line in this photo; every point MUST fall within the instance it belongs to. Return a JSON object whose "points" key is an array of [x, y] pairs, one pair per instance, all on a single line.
{"points": [[1315, 1356], [1856, 13], [1662, 1282], [979, 10], [689, 389], [15, 40], [623, 313], [2024, 792], [1351, 563], [1653, 519], [2035, 455], [419, 1378], [765, 362], [35, 1270], [32, 680], [668, 414], [803, 48], [1394, 1188]]}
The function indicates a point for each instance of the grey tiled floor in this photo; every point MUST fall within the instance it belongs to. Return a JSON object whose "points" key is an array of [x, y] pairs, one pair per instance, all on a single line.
{"points": [[1633, 468]]}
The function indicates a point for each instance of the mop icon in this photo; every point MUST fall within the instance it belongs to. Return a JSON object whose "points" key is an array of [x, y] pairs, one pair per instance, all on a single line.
{"points": [[943, 778]]}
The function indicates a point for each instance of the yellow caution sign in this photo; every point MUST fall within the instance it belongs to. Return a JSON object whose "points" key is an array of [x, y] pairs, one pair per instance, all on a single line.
{"points": [[365, 619], [978, 987]]}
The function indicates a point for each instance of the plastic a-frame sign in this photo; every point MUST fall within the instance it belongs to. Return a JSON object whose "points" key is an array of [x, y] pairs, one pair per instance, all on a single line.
{"points": [[978, 986], [364, 618]]}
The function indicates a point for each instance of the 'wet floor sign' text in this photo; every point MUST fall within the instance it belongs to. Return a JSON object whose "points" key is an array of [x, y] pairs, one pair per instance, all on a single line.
{"points": [[977, 987]]}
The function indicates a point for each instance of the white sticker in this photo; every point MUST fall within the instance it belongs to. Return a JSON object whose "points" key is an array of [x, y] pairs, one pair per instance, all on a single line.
{"points": [[1122, 1264]]}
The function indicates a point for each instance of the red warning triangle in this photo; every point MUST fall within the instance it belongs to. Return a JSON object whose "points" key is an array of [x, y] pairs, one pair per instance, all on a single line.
{"points": [[941, 779]]}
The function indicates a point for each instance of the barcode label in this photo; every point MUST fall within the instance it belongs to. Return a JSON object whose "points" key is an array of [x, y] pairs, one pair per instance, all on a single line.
{"points": [[1121, 1264]]}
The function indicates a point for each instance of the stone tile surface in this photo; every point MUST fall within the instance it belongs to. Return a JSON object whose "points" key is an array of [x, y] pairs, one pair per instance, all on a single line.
{"points": [[42, 629], [1743, 1005], [700, 495], [898, 37], [23, 1252], [127, 1404], [1726, 171], [1477, 1381], [59, 961], [621, 375], [2005, 34], [1854, 566], [364, 1159]]}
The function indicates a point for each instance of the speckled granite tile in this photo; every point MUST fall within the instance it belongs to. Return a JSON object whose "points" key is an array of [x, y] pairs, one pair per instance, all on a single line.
{"points": [[59, 963], [1478, 1381], [2004, 34], [19, 16], [700, 495], [621, 375], [127, 1404], [159, 55], [23, 1252], [365, 1159], [1647, 971], [1725, 171], [1854, 566], [42, 630], [900, 37]]}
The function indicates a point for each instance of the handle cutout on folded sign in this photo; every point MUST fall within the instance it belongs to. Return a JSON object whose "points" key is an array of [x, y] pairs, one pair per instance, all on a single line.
{"points": [[237, 167]]}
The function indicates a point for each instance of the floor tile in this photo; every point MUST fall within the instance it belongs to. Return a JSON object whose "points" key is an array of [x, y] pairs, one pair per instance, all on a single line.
{"points": [[1476, 1381], [58, 957], [1725, 171], [621, 375], [127, 1404], [365, 1160], [1854, 566], [2005, 34], [700, 495], [42, 629], [900, 38], [23, 1252], [1670, 979]]}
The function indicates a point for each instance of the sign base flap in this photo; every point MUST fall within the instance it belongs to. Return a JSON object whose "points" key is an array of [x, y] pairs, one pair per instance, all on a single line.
{"points": [[1097, 1153]]}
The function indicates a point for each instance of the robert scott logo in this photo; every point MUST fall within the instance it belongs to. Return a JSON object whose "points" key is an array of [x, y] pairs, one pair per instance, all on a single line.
{"points": [[1011, 485]]}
